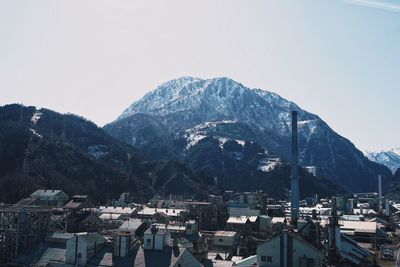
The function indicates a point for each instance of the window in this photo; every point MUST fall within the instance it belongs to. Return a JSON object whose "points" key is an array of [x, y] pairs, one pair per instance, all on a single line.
{"points": [[263, 258], [269, 258], [221, 240], [310, 262]]}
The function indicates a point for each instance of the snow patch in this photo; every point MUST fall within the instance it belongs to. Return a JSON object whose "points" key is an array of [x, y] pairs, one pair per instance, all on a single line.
{"points": [[210, 124], [311, 124], [223, 140], [199, 132], [268, 164], [193, 139], [241, 142], [236, 155], [34, 132], [97, 151], [36, 116]]}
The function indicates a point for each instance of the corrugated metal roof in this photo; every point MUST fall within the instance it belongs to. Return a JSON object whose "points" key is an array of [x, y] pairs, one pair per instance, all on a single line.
{"points": [[355, 226], [131, 225], [110, 216], [44, 192], [225, 233], [119, 210], [241, 219], [169, 212]]}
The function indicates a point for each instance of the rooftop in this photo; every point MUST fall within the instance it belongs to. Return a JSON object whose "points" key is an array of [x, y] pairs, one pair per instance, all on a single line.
{"points": [[159, 231], [46, 192], [131, 225], [241, 219], [225, 233], [152, 211], [119, 210]]}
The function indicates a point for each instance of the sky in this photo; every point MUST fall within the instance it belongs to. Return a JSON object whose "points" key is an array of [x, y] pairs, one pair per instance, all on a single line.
{"points": [[339, 59]]}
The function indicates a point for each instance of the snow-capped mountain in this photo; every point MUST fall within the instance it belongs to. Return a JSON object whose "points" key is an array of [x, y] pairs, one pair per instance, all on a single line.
{"points": [[389, 158], [178, 116]]}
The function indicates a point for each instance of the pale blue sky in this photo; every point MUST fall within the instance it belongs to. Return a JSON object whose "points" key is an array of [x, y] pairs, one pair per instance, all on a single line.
{"points": [[339, 59]]}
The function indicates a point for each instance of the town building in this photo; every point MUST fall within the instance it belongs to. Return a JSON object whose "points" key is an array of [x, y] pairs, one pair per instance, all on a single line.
{"points": [[289, 249], [50, 197]]}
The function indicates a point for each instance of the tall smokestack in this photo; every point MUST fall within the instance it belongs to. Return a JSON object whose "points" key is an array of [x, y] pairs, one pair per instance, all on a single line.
{"points": [[380, 191], [294, 179]]}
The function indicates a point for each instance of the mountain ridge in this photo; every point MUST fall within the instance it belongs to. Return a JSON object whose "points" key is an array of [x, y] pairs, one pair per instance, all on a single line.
{"points": [[46, 149], [263, 117], [389, 158]]}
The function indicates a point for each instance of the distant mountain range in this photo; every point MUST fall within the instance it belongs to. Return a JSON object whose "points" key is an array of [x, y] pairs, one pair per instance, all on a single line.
{"points": [[394, 189], [180, 138], [389, 158], [239, 135], [46, 149]]}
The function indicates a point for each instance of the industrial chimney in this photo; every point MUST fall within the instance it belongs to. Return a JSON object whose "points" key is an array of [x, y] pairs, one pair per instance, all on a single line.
{"points": [[294, 184], [380, 192]]}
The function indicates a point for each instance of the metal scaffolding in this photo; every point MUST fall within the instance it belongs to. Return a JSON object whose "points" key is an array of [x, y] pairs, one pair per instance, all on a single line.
{"points": [[21, 227]]}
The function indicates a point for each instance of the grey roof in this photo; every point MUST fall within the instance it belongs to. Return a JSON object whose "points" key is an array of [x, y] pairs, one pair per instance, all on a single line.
{"points": [[225, 233], [59, 236], [131, 225], [159, 231], [166, 258], [46, 192]]}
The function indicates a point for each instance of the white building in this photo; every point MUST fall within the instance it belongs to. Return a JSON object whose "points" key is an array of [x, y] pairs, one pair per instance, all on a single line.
{"points": [[265, 223], [155, 214], [225, 240], [124, 211], [82, 247], [124, 244], [156, 239], [50, 197], [288, 249]]}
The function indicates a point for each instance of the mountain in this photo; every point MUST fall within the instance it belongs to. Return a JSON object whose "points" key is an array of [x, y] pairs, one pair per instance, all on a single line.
{"points": [[390, 158], [393, 191], [192, 119], [45, 149]]}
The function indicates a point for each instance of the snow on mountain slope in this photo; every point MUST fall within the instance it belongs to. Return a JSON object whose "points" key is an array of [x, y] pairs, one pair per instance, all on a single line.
{"points": [[390, 158], [189, 110], [217, 98]]}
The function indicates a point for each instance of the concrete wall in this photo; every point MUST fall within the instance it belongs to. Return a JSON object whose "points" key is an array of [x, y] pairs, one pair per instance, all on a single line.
{"points": [[302, 250], [265, 223], [160, 241], [225, 241], [123, 245], [271, 249], [76, 251], [148, 241], [82, 250]]}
